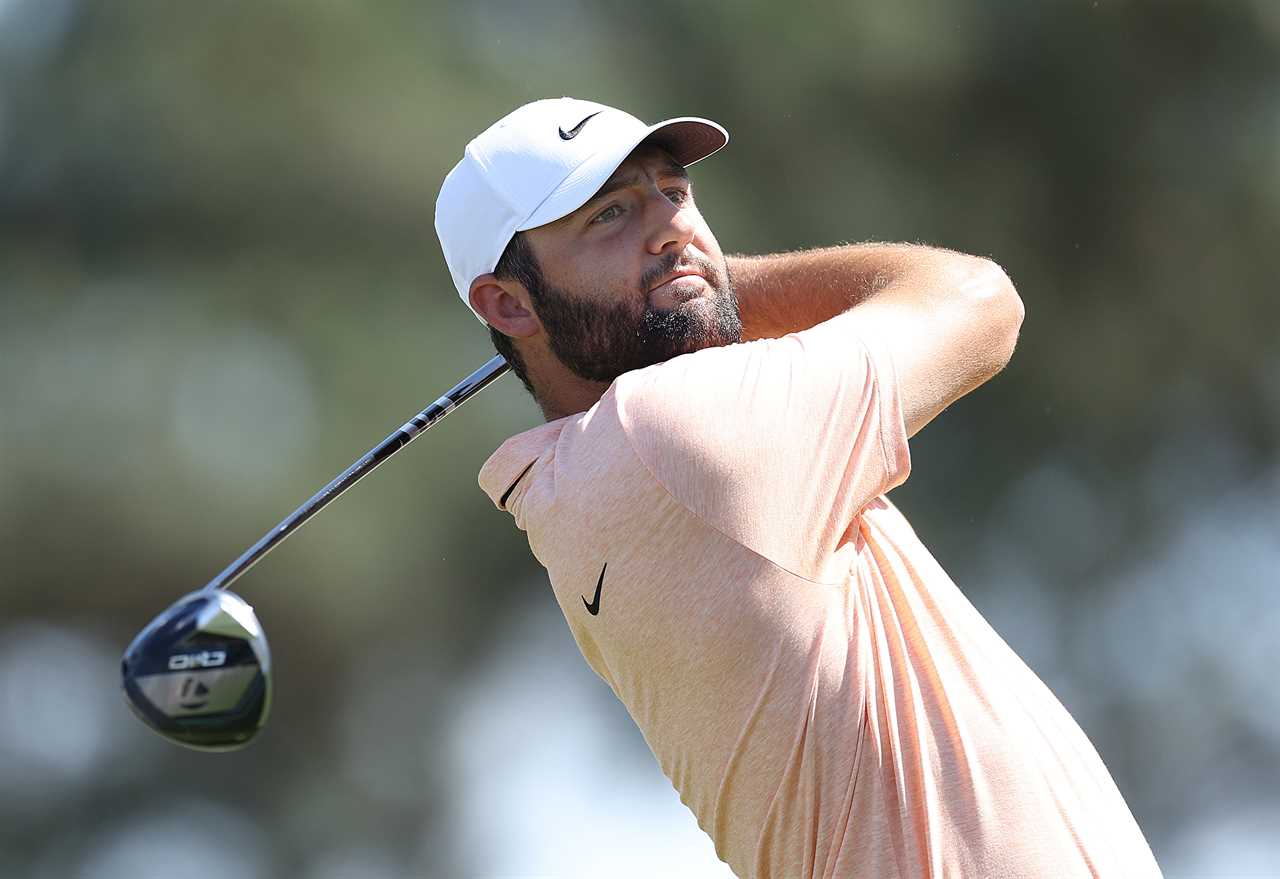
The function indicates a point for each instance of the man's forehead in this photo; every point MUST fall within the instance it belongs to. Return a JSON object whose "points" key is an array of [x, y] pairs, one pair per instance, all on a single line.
{"points": [[645, 160], [646, 157]]}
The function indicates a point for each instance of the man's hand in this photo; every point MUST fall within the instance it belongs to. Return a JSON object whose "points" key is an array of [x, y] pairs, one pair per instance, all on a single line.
{"points": [[949, 320]]}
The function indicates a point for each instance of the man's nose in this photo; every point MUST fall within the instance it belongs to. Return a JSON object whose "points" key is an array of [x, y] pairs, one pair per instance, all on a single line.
{"points": [[673, 228]]}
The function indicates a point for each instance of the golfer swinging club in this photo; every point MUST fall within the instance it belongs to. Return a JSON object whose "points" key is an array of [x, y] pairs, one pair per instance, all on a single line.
{"points": [[708, 497]]}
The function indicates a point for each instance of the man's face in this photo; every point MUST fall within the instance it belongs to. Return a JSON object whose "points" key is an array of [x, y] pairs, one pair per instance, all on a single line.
{"points": [[633, 277]]}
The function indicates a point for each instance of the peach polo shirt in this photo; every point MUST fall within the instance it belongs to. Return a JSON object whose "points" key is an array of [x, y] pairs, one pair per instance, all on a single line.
{"points": [[822, 696]]}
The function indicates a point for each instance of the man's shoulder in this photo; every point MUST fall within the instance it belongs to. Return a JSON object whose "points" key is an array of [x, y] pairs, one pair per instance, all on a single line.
{"points": [[705, 360], [688, 386], [646, 419]]}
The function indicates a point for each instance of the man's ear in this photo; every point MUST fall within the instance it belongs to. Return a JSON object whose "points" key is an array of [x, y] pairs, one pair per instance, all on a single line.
{"points": [[505, 306]]}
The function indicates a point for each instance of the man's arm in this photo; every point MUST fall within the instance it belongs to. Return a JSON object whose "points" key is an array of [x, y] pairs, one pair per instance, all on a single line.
{"points": [[949, 320]]}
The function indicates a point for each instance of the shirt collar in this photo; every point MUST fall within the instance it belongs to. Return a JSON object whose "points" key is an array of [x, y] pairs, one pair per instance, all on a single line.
{"points": [[515, 457]]}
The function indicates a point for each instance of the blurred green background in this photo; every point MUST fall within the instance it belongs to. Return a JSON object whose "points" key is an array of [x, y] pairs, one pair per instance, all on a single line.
{"points": [[220, 284]]}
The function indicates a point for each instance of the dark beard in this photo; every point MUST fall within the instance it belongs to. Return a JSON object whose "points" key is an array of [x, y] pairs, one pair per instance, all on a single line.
{"points": [[600, 342]]}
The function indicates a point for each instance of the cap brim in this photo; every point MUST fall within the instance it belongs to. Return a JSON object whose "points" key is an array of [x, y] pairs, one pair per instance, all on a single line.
{"points": [[688, 139]]}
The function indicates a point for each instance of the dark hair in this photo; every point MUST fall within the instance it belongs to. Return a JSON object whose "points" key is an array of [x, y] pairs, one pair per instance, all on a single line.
{"points": [[517, 263]]}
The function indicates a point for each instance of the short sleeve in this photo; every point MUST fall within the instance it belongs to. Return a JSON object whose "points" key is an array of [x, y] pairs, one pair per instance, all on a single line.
{"points": [[779, 443]]}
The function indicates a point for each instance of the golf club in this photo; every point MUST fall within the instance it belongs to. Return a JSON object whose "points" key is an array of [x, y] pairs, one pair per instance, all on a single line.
{"points": [[200, 673]]}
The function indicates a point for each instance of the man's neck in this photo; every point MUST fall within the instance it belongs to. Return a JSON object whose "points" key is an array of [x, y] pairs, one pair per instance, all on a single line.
{"points": [[558, 391]]}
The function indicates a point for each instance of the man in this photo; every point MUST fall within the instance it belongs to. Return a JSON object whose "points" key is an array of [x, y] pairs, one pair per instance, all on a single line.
{"points": [[708, 497]]}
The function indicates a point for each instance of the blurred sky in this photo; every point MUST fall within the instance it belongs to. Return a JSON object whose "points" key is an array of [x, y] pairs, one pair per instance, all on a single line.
{"points": [[219, 285]]}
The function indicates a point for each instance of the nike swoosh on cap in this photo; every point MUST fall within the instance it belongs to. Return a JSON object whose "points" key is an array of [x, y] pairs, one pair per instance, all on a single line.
{"points": [[573, 132]]}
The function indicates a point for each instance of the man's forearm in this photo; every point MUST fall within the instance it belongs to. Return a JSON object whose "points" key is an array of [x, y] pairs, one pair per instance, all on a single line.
{"points": [[788, 292]]}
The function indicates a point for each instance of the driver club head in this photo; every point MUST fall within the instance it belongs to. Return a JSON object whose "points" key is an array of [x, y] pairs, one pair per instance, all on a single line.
{"points": [[200, 673]]}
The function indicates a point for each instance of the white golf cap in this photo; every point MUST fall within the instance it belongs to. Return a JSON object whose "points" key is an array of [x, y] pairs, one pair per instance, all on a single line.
{"points": [[539, 163]]}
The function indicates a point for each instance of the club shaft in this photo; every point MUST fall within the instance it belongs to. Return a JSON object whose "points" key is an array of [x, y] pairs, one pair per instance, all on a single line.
{"points": [[452, 399]]}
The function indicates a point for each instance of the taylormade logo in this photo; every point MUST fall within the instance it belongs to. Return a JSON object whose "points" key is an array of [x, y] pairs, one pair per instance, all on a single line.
{"points": [[203, 659]]}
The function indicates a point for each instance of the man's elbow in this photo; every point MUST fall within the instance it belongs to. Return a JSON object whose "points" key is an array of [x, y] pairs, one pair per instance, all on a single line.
{"points": [[1002, 312]]}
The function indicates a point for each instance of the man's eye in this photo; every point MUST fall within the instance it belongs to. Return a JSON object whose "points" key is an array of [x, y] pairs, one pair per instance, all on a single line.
{"points": [[677, 196], [609, 213]]}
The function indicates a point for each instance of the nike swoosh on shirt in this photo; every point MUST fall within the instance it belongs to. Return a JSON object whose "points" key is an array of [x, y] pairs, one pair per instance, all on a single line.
{"points": [[594, 607], [573, 132]]}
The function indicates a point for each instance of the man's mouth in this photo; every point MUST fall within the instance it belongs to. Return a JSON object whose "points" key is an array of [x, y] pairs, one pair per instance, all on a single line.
{"points": [[678, 290], [673, 280]]}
